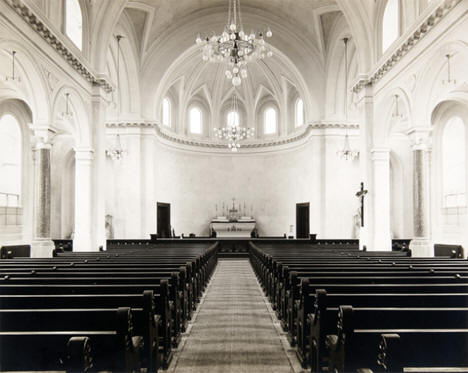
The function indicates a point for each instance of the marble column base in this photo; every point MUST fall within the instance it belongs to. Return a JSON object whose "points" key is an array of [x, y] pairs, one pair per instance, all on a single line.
{"points": [[42, 248], [421, 247]]}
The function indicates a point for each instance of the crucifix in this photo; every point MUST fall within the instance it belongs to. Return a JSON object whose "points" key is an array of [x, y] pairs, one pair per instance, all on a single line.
{"points": [[361, 194], [233, 203]]}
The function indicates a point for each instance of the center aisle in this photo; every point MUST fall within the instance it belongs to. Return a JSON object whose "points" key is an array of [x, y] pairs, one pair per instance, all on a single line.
{"points": [[234, 330]]}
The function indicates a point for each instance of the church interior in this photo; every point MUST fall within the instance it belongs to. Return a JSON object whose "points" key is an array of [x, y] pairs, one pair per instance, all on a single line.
{"points": [[233, 186]]}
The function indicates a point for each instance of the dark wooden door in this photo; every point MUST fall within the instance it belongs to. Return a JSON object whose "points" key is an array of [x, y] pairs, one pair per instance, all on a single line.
{"points": [[164, 220], [302, 220]]}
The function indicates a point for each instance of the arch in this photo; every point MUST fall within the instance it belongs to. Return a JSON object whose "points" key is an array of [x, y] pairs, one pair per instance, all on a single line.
{"points": [[166, 112], [195, 120], [453, 162], [74, 22], [299, 112], [11, 148], [78, 125], [270, 121], [391, 20]]}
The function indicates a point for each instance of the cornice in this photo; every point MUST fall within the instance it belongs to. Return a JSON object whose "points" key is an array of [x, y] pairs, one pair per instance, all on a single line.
{"points": [[171, 137], [54, 41], [414, 38]]}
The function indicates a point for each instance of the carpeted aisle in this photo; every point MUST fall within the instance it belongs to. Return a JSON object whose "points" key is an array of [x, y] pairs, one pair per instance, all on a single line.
{"points": [[233, 330]]}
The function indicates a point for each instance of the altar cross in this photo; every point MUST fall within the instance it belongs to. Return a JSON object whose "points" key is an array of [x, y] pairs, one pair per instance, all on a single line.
{"points": [[361, 194], [233, 203]]}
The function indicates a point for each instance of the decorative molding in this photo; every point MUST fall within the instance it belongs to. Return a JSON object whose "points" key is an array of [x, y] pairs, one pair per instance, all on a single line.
{"points": [[161, 132], [54, 41], [429, 23]]}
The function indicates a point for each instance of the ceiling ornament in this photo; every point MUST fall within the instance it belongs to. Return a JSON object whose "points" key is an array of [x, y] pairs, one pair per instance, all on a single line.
{"points": [[233, 132], [234, 46]]}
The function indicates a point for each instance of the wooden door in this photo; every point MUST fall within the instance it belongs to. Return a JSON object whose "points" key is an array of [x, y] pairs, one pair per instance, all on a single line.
{"points": [[302, 220], [164, 220]]}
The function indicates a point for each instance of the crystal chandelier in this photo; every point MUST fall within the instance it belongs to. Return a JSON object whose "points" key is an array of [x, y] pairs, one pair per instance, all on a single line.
{"points": [[346, 153], [117, 152], [67, 114], [234, 46], [233, 132]]}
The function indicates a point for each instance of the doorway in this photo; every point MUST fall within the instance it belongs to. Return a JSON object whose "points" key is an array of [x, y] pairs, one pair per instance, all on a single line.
{"points": [[163, 220], [302, 220]]}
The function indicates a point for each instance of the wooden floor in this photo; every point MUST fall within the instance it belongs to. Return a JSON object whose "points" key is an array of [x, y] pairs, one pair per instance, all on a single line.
{"points": [[235, 329]]}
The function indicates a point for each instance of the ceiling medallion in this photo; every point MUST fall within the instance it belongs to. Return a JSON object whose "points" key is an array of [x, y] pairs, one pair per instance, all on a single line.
{"points": [[235, 47]]}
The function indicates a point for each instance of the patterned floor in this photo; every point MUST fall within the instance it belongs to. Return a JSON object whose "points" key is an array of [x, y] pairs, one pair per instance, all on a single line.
{"points": [[234, 331]]}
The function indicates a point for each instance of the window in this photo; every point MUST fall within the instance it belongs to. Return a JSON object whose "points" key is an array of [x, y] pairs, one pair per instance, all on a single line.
{"points": [[270, 121], [10, 161], [390, 23], [74, 22], [299, 112], [166, 112], [195, 120], [453, 163], [233, 119]]}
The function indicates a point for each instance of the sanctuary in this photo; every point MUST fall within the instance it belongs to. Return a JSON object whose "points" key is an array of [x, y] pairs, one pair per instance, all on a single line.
{"points": [[339, 126]]}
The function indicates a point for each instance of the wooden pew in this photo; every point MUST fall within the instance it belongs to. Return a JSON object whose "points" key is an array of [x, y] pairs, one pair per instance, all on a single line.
{"points": [[359, 333]]}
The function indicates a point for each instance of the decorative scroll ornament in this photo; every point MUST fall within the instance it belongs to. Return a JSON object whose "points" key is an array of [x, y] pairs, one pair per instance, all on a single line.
{"points": [[234, 46]]}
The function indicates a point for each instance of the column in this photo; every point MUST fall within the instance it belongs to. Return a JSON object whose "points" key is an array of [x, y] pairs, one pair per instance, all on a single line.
{"points": [[366, 106], [82, 240], [421, 245], [98, 210], [382, 235], [42, 245]]}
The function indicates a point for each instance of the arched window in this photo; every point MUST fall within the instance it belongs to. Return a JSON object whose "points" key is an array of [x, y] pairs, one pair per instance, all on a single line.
{"points": [[10, 161], [390, 23], [166, 112], [453, 163], [233, 119], [299, 112], [195, 120], [270, 121], [74, 22]]}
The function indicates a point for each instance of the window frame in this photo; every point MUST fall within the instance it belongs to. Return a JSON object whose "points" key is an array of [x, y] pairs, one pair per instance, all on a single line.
{"points": [[381, 28], [65, 25], [169, 113], [191, 108], [296, 111], [265, 113]]}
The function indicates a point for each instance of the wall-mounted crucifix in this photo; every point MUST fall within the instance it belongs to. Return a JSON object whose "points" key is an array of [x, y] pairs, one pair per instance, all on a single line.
{"points": [[361, 194]]}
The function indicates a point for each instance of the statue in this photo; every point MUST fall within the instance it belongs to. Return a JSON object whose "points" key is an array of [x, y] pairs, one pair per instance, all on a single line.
{"points": [[109, 228]]}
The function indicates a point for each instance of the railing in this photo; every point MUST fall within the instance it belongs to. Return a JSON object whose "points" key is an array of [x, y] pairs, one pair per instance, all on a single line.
{"points": [[10, 201]]}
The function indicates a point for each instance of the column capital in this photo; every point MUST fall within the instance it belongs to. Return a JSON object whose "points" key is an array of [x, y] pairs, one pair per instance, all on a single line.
{"points": [[420, 137], [380, 154], [42, 136]]}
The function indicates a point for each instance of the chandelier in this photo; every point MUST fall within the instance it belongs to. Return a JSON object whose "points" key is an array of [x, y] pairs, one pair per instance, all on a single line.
{"points": [[67, 114], [233, 132], [346, 153], [13, 77], [234, 46], [117, 152]]}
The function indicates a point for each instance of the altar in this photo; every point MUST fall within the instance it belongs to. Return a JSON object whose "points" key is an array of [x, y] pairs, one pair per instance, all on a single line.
{"points": [[226, 228], [234, 222]]}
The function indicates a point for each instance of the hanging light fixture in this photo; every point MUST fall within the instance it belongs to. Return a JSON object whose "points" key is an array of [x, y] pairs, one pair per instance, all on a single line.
{"points": [[12, 77], [233, 132], [117, 152], [449, 77], [346, 153], [396, 114], [67, 114], [234, 46], [118, 38]]}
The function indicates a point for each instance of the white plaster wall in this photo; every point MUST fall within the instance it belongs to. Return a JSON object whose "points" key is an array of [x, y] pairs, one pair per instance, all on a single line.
{"points": [[193, 183]]}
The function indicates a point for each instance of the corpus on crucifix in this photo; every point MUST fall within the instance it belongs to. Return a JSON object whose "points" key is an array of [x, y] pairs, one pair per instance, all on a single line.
{"points": [[361, 194]]}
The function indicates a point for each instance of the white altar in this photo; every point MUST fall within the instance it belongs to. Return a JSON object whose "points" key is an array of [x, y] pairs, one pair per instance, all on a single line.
{"points": [[226, 228]]}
